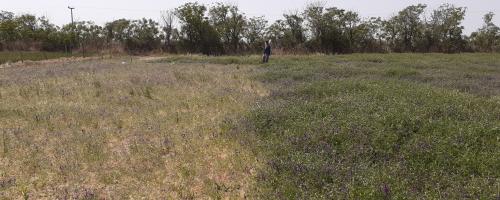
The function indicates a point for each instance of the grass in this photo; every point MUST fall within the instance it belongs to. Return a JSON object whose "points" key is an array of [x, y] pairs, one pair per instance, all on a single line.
{"points": [[10, 56], [355, 139], [361, 126], [200, 59], [103, 129], [373, 126]]}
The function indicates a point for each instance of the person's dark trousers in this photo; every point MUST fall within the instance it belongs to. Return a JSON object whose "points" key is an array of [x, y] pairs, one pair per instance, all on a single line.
{"points": [[265, 58]]}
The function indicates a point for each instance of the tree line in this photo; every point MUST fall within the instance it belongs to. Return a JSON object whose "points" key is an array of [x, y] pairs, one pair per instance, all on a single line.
{"points": [[224, 29]]}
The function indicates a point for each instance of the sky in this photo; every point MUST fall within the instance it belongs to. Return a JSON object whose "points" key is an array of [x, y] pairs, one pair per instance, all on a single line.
{"points": [[102, 11]]}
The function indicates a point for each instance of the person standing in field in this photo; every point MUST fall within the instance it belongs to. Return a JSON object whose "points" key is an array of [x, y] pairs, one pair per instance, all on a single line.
{"points": [[267, 52]]}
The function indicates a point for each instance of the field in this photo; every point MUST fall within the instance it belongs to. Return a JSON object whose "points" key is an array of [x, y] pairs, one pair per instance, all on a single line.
{"points": [[361, 126], [11, 56]]}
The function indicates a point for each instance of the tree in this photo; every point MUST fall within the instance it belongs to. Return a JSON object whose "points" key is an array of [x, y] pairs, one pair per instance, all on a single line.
{"points": [[57, 41], [294, 31], [144, 36], [370, 37], [168, 19], [288, 34], [487, 38], [8, 33], [276, 32], [446, 28], [335, 30], [223, 28], [89, 35], [48, 35], [254, 33], [5, 15], [229, 24], [118, 30], [136, 35], [197, 34], [333, 38], [191, 16], [313, 15], [405, 30], [26, 28], [352, 31], [24, 32]]}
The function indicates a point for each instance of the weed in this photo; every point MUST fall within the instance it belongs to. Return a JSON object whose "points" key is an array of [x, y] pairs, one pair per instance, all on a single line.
{"points": [[148, 90]]}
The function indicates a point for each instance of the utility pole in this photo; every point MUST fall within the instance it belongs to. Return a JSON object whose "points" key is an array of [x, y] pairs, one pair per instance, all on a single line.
{"points": [[72, 30]]}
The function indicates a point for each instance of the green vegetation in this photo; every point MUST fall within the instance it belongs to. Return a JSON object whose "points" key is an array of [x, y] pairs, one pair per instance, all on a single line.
{"points": [[222, 29], [11, 56], [198, 59], [380, 126], [361, 126]]}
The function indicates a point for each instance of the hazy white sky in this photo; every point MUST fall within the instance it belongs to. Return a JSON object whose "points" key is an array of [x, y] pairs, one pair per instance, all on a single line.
{"points": [[101, 11]]}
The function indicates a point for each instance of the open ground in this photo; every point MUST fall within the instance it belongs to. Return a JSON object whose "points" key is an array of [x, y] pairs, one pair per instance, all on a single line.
{"points": [[361, 126]]}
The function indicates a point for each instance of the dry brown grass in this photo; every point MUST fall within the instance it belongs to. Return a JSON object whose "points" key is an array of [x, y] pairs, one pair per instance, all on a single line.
{"points": [[104, 129]]}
